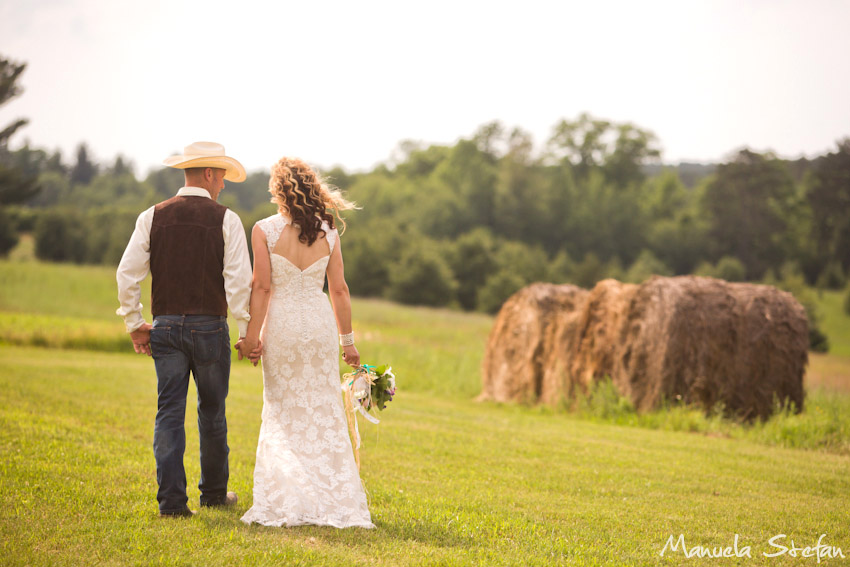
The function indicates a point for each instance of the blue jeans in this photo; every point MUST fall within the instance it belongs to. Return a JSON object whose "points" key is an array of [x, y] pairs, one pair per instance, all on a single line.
{"points": [[200, 344]]}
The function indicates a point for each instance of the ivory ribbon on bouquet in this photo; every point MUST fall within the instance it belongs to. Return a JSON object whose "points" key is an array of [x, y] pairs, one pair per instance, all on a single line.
{"points": [[357, 388]]}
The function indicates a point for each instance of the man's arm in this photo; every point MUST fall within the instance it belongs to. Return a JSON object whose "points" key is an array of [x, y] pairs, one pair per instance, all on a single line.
{"points": [[133, 268], [237, 270]]}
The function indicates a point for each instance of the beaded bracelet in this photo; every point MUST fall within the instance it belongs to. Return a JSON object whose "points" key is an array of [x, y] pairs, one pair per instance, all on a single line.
{"points": [[346, 340]]}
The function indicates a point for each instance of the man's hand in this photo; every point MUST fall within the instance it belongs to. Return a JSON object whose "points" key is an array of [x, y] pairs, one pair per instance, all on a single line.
{"points": [[252, 350], [142, 339]]}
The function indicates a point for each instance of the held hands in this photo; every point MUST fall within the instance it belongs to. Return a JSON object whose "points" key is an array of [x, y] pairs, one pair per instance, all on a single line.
{"points": [[351, 356], [250, 349], [141, 338]]}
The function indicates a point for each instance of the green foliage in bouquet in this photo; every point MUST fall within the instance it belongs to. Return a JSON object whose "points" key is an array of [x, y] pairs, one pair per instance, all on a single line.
{"points": [[383, 386]]}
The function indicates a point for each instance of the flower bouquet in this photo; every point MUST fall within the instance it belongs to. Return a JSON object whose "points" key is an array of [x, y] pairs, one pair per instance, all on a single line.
{"points": [[366, 388]]}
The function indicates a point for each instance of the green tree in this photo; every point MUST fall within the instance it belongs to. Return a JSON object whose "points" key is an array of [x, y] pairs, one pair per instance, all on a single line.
{"points": [[16, 186], [832, 276], [471, 175], [55, 190], [518, 210], [730, 269], [529, 262], [589, 271], [84, 169], [561, 268], [472, 259], [120, 168], [60, 236], [791, 280], [632, 149], [581, 143], [748, 203], [619, 150], [370, 252], [10, 72], [8, 235], [498, 288], [423, 277], [646, 266], [165, 181], [107, 231], [828, 194], [665, 196]]}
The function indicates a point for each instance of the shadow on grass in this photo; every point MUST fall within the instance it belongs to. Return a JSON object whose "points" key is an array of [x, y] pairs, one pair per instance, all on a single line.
{"points": [[436, 531]]}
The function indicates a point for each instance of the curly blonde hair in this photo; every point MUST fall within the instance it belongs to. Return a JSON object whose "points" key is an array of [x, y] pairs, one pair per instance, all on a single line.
{"points": [[300, 194]]}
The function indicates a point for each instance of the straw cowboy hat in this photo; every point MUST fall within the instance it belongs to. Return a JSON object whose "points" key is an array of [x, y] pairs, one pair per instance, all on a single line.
{"points": [[208, 154]]}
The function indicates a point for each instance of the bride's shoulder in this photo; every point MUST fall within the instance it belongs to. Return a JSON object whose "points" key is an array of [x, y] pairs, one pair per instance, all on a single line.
{"points": [[331, 234], [272, 221]]}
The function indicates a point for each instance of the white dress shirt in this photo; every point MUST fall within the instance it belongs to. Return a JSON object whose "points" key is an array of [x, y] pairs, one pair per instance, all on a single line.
{"points": [[135, 265]]}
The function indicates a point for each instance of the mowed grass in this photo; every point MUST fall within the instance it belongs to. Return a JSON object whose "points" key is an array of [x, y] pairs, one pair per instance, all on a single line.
{"points": [[451, 482], [438, 351], [835, 322], [68, 306]]}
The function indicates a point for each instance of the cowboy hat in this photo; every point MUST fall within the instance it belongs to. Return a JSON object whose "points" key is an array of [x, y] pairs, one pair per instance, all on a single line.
{"points": [[208, 154]]}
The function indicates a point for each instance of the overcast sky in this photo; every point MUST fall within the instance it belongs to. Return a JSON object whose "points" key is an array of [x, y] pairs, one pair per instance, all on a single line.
{"points": [[344, 82]]}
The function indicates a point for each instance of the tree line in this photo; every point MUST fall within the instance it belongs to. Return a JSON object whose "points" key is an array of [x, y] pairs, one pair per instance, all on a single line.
{"points": [[468, 224]]}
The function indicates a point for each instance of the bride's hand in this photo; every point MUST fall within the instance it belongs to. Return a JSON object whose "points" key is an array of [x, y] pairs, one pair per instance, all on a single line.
{"points": [[250, 350], [351, 356], [254, 355]]}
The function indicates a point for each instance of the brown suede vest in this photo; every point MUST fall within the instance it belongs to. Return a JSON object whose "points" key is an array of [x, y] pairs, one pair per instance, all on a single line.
{"points": [[187, 257]]}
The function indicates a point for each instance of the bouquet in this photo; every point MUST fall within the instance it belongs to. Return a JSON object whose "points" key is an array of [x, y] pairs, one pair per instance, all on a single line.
{"points": [[366, 388]]}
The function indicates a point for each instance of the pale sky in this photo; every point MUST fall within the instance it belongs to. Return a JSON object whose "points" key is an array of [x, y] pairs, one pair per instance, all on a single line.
{"points": [[344, 82]]}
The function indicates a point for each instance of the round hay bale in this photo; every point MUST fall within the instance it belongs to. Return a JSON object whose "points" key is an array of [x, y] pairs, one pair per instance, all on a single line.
{"points": [[512, 369], [558, 349], [593, 351], [707, 342]]}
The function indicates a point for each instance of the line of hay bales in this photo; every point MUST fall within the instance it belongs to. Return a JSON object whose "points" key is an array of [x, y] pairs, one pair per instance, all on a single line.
{"points": [[701, 341]]}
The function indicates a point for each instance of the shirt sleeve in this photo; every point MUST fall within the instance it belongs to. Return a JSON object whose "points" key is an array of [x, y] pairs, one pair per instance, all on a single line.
{"points": [[133, 268], [237, 270]]}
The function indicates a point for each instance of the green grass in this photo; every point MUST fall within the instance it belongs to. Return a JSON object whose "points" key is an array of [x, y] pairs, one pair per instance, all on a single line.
{"points": [[834, 322], [62, 290], [451, 482], [823, 426]]}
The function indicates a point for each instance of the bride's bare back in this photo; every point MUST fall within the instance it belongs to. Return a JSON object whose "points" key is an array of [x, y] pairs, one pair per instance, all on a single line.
{"points": [[298, 253]]}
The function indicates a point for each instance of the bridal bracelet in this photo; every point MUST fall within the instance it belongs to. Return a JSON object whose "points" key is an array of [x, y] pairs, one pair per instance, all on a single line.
{"points": [[346, 340]]}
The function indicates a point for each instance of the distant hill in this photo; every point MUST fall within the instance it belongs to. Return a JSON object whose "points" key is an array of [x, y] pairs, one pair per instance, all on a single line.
{"points": [[689, 173]]}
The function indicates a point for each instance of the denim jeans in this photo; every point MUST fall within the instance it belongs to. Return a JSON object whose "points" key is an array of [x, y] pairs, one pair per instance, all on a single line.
{"points": [[200, 344]]}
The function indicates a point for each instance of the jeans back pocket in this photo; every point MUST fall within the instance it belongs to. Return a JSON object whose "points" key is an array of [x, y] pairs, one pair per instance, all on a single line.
{"points": [[206, 346], [160, 337]]}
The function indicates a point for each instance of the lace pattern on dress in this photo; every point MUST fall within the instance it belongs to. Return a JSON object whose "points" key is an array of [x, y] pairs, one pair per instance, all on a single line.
{"points": [[305, 471]]}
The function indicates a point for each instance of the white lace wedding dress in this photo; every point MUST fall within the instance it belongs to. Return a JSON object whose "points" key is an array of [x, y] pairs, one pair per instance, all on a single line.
{"points": [[305, 471]]}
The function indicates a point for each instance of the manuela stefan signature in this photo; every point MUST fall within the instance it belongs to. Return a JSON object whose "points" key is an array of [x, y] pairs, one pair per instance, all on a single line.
{"points": [[777, 545]]}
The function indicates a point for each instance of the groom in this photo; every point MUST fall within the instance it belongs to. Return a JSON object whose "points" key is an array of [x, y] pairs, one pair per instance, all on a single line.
{"points": [[196, 252]]}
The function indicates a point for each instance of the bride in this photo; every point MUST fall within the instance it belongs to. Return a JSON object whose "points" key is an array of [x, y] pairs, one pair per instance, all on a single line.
{"points": [[305, 471]]}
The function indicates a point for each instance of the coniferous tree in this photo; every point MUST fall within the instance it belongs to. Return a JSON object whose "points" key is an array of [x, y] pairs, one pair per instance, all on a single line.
{"points": [[15, 185], [84, 170]]}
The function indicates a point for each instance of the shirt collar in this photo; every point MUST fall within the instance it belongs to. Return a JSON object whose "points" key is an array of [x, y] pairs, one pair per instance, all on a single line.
{"points": [[193, 192]]}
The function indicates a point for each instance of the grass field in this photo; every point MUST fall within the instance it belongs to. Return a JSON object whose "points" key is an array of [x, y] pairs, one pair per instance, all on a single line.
{"points": [[451, 481]]}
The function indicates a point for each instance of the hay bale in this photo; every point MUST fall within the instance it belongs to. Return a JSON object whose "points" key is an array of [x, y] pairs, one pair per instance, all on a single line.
{"points": [[512, 368], [558, 346], [697, 340], [581, 344], [705, 341], [595, 346]]}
